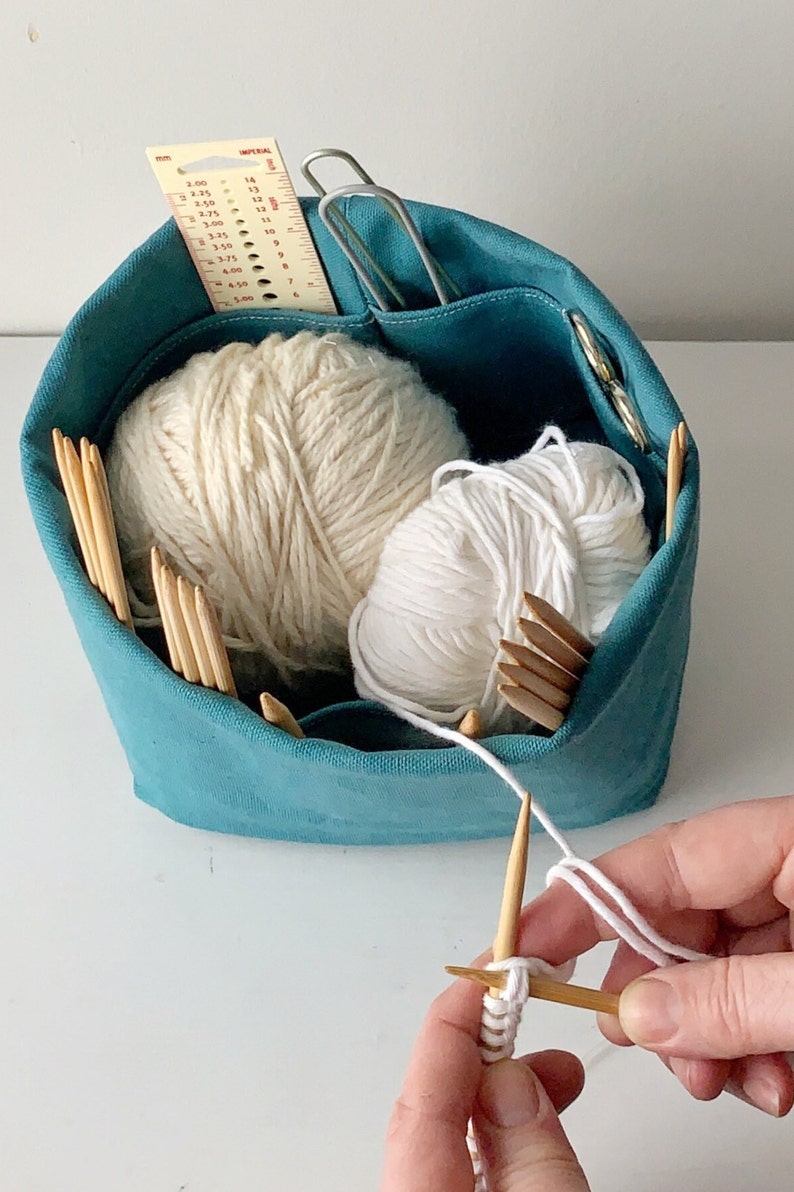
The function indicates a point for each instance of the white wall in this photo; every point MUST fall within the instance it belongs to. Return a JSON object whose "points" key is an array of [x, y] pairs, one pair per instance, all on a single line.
{"points": [[651, 142]]}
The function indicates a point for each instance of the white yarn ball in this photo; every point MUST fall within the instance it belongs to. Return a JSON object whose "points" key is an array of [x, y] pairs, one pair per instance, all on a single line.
{"points": [[563, 521], [272, 474]]}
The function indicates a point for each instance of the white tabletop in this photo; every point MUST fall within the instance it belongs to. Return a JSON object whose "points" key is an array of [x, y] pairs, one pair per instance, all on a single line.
{"points": [[146, 1040]]}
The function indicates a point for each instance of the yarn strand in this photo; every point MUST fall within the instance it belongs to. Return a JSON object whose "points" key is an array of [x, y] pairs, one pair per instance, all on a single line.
{"points": [[628, 923]]}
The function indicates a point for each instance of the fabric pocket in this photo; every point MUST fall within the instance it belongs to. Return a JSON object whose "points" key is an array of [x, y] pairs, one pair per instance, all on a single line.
{"points": [[503, 360], [217, 330]]}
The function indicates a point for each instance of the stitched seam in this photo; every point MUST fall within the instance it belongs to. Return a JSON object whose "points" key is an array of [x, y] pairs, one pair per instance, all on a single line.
{"points": [[443, 312], [221, 321]]}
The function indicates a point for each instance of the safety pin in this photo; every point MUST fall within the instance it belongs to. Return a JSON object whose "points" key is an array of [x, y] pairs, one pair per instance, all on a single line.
{"points": [[408, 225]]}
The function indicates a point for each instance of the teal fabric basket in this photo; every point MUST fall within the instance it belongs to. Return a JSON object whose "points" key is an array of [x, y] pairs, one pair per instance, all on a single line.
{"points": [[508, 358]]}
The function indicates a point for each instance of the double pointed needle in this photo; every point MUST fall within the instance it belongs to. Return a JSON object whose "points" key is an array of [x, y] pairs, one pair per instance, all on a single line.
{"points": [[279, 715], [506, 941], [88, 497], [676, 456]]}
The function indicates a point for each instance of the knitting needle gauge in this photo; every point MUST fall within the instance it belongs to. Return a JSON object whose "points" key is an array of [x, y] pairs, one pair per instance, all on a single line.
{"points": [[242, 223]]}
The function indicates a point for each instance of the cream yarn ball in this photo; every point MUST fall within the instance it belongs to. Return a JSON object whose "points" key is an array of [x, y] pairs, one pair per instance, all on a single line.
{"points": [[272, 474], [564, 521]]}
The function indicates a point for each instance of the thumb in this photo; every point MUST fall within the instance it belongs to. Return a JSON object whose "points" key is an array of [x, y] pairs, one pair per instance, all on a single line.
{"points": [[519, 1136], [717, 1009]]}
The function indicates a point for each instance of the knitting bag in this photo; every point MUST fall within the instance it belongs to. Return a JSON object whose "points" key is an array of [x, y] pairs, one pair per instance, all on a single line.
{"points": [[531, 342]]}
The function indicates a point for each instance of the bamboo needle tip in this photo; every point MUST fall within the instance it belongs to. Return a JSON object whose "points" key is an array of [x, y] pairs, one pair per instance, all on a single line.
{"points": [[493, 978], [676, 456], [167, 576], [471, 725], [279, 715], [537, 604], [515, 876]]}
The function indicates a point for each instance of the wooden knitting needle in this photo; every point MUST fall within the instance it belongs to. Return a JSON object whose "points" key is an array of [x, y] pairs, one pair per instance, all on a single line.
{"points": [[109, 524], [551, 645], [166, 613], [682, 438], [182, 642], [551, 695], [471, 724], [104, 528], [187, 604], [74, 489], [506, 939], [547, 989], [107, 546], [89, 482], [279, 715], [168, 632], [211, 631], [559, 625], [530, 660], [675, 469], [532, 706], [191, 629]]}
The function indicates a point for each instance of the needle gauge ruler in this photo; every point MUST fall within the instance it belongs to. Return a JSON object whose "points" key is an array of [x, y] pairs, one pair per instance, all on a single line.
{"points": [[236, 208]]}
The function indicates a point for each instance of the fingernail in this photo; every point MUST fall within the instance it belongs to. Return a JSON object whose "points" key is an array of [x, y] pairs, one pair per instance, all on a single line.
{"points": [[649, 1011], [508, 1094], [762, 1093]]}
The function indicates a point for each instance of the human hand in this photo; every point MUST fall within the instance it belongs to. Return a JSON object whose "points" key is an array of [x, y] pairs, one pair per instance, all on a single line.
{"points": [[514, 1105], [722, 883]]}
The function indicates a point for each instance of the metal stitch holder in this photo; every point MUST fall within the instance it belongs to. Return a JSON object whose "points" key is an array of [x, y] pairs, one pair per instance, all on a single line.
{"points": [[443, 284], [370, 190], [353, 237]]}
